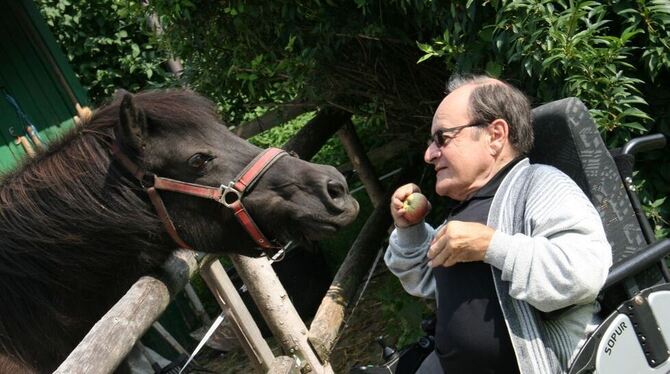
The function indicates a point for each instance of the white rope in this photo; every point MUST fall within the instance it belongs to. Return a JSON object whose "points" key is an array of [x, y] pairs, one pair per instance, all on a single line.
{"points": [[204, 339]]}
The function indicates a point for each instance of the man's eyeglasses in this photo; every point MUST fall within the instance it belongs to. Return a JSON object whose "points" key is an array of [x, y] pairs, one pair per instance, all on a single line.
{"points": [[442, 137]]}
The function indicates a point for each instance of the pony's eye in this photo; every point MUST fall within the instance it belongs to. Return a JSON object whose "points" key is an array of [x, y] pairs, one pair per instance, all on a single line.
{"points": [[199, 160]]}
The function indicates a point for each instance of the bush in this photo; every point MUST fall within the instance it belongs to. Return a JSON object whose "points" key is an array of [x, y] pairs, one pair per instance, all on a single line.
{"points": [[108, 45]]}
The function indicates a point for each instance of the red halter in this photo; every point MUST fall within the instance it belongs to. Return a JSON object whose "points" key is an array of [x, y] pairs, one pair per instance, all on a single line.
{"points": [[229, 195]]}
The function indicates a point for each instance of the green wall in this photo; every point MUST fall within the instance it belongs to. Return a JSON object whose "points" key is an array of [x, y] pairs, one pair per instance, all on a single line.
{"points": [[36, 74]]}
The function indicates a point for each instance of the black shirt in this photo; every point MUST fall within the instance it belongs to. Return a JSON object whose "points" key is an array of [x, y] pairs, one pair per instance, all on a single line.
{"points": [[471, 336]]}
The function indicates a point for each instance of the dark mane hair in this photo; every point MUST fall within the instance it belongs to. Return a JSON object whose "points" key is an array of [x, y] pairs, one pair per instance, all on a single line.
{"points": [[70, 217]]}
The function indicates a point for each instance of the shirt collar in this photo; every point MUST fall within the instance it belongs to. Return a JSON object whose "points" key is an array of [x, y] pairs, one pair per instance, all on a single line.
{"points": [[490, 188]]}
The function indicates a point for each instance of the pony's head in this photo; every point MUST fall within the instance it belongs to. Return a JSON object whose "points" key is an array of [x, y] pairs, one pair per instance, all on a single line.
{"points": [[176, 134]]}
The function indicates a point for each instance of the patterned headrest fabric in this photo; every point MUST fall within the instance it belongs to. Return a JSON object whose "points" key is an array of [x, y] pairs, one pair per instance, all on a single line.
{"points": [[566, 137]]}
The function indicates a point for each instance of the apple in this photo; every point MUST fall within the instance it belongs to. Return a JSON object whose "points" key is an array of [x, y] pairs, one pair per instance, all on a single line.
{"points": [[416, 207]]}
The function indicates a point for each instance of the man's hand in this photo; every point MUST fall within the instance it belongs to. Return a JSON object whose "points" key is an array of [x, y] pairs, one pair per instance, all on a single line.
{"points": [[459, 242], [397, 211]]}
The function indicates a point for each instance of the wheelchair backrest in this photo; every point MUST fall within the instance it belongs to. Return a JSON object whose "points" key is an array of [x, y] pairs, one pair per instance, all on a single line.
{"points": [[566, 137]]}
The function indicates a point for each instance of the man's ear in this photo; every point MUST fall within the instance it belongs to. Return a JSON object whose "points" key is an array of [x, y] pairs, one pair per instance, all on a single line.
{"points": [[498, 135], [131, 130]]}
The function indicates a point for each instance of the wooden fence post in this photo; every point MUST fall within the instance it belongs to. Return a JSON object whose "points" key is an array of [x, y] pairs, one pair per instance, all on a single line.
{"points": [[284, 365], [198, 308], [311, 138], [278, 311], [361, 163], [244, 326]]}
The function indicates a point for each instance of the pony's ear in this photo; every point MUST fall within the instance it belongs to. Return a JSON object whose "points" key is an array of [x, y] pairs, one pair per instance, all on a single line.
{"points": [[132, 127]]}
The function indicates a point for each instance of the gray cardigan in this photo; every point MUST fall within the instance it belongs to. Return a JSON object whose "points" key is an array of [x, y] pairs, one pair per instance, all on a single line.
{"points": [[549, 252]]}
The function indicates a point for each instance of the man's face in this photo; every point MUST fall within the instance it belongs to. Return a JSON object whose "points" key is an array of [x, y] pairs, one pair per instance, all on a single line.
{"points": [[465, 162]]}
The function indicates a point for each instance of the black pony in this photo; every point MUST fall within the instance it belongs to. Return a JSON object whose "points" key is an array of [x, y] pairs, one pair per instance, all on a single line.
{"points": [[77, 229]]}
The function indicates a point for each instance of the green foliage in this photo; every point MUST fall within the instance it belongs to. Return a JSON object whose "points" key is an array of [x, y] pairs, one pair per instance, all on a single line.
{"points": [[254, 54], [398, 305], [656, 212], [586, 49], [107, 43], [573, 43], [277, 136]]}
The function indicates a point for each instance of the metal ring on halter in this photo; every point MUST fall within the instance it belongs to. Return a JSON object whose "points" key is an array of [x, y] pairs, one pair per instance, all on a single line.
{"points": [[227, 190]]}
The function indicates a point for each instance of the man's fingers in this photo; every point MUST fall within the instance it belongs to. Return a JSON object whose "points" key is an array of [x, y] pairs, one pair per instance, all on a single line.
{"points": [[439, 258], [451, 260], [440, 234], [407, 190], [439, 244], [397, 199], [402, 192]]}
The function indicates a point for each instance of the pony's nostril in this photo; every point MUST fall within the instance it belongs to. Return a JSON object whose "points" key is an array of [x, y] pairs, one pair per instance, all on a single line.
{"points": [[336, 189]]}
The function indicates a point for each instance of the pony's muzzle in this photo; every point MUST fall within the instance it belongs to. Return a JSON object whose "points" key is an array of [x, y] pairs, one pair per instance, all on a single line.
{"points": [[337, 193], [336, 189]]}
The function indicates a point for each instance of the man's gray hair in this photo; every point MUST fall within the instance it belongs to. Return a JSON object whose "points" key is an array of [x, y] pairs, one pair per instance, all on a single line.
{"points": [[493, 99]]}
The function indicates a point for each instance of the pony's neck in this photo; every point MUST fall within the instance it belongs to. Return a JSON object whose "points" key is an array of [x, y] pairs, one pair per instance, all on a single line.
{"points": [[74, 235]]}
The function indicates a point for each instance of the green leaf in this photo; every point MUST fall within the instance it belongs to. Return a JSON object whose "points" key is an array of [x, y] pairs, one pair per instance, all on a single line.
{"points": [[427, 48], [425, 57], [634, 125], [549, 61], [493, 68], [634, 112]]}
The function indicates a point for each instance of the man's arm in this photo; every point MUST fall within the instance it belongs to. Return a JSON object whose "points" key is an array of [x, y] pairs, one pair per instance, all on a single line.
{"points": [[406, 259], [565, 258]]}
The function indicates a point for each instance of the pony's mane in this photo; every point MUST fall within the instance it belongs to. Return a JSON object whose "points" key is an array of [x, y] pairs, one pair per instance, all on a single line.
{"points": [[71, 217]]}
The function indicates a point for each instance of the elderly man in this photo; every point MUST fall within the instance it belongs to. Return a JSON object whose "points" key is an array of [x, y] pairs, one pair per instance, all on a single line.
{"points": [[523, 241]]}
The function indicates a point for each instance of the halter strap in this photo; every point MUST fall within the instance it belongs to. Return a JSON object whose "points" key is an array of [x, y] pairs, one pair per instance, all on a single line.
{"points": [[236, 189]]}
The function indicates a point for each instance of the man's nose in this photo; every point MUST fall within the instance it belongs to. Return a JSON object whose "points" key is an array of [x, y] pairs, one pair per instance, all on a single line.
{"points": [[432, 152]]}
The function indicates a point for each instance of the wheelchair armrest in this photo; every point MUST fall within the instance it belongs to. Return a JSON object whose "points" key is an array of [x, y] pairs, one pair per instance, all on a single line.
{"points": [[634, 264], [644, 143]]}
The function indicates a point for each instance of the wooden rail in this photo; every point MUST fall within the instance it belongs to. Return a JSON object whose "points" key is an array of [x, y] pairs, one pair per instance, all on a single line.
{"points": [[128, 319]]}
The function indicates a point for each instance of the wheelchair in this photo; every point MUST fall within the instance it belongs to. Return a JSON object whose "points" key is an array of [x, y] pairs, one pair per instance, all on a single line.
{"points": [[634, 337]]}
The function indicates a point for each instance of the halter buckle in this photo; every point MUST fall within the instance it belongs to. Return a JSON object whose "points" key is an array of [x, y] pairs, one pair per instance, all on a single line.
{"points": [[226, 191]]}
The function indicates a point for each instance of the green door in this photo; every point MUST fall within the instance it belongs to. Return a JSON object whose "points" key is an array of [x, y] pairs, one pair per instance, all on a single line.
{"points": [[35, 74]]}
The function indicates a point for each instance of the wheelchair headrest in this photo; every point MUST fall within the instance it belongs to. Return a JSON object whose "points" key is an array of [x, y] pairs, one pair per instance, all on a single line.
{"points": [[567, 138]]}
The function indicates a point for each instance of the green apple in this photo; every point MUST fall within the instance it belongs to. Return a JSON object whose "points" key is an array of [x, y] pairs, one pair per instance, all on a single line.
{"points": [[416, 207]]}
